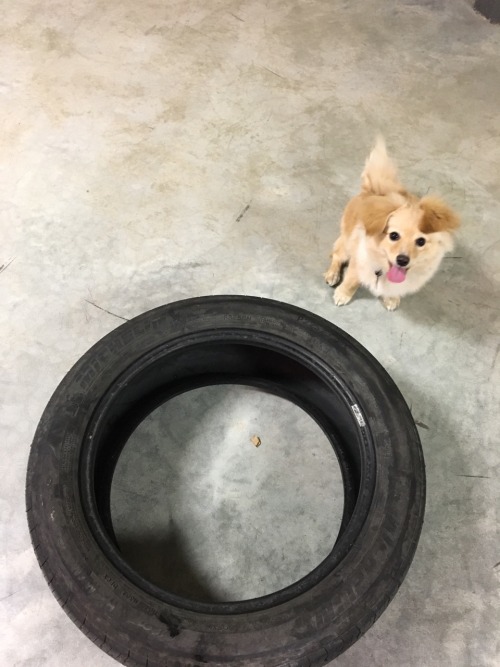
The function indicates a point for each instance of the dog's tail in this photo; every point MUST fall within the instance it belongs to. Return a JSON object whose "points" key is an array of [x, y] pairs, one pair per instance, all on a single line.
{"points": [[380, 175]]}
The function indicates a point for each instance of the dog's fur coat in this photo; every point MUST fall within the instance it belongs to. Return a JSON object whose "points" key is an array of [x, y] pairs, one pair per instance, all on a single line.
{"points": [[391, 241]]}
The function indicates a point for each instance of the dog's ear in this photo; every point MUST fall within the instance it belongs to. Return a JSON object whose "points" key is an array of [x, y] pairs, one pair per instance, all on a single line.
{"points": [[438, 216], [376, 214]]}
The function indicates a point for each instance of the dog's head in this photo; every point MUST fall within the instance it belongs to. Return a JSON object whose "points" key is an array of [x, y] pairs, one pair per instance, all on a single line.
{"points": [[415, 235]]}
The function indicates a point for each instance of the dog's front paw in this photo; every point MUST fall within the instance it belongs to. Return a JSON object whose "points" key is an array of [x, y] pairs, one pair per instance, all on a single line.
{"points": [[391, 302], [332, 277], [341, 297]]}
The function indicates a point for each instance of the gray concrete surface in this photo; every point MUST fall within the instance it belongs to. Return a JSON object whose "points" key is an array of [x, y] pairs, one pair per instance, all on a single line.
{"points": [[158, 150]]}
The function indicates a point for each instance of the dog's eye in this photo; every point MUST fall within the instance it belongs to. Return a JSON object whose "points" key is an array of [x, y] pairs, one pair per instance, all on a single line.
{"points": [[394, 236], [420, 241]]}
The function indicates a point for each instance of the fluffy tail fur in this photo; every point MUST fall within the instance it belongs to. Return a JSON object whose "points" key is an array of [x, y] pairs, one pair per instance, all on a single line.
{"points": [[380, 175]]}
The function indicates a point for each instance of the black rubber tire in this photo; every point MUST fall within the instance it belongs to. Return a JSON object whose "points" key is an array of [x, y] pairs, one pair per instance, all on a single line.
{"points": [[208, 341]]}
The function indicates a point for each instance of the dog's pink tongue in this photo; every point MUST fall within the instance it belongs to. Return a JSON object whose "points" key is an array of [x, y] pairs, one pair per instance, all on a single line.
{"points": [[396, 274]]}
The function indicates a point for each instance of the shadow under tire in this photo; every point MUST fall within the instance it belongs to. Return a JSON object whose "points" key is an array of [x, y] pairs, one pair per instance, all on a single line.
{"points": [[205, 341]]}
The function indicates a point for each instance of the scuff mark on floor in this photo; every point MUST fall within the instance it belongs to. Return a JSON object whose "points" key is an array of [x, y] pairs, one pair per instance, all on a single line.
{"points": [[273, 72], [14, 592], [125, 319], [475, 476], [6, 266], [242, 213]]}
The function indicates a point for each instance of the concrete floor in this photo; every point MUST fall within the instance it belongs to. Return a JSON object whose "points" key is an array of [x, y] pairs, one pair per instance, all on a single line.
{"points": [[158, 150]]}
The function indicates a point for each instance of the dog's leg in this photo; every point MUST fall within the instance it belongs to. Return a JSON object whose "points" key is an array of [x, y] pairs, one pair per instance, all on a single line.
{"points": [[391, 302], [347, 288], [339, 258]]}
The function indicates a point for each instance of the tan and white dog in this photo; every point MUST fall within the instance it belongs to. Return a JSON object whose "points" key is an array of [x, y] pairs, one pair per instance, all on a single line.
{"points": [[391, 241]]}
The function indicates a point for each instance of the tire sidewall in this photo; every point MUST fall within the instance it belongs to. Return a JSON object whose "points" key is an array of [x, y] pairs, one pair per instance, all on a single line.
{"points": [[350, 597]]}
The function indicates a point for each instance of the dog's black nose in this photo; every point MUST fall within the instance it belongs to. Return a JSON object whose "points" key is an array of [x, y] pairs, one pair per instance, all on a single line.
{"points": [[402, 260]]}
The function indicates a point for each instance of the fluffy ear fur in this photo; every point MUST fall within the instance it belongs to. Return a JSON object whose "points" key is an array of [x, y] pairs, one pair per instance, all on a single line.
{"points": [[370, 212], [375, 214], [438, 216]]}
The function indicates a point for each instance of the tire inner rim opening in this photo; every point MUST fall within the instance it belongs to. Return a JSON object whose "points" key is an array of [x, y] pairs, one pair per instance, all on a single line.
{"points": [[226, 493], [170, 379]]}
